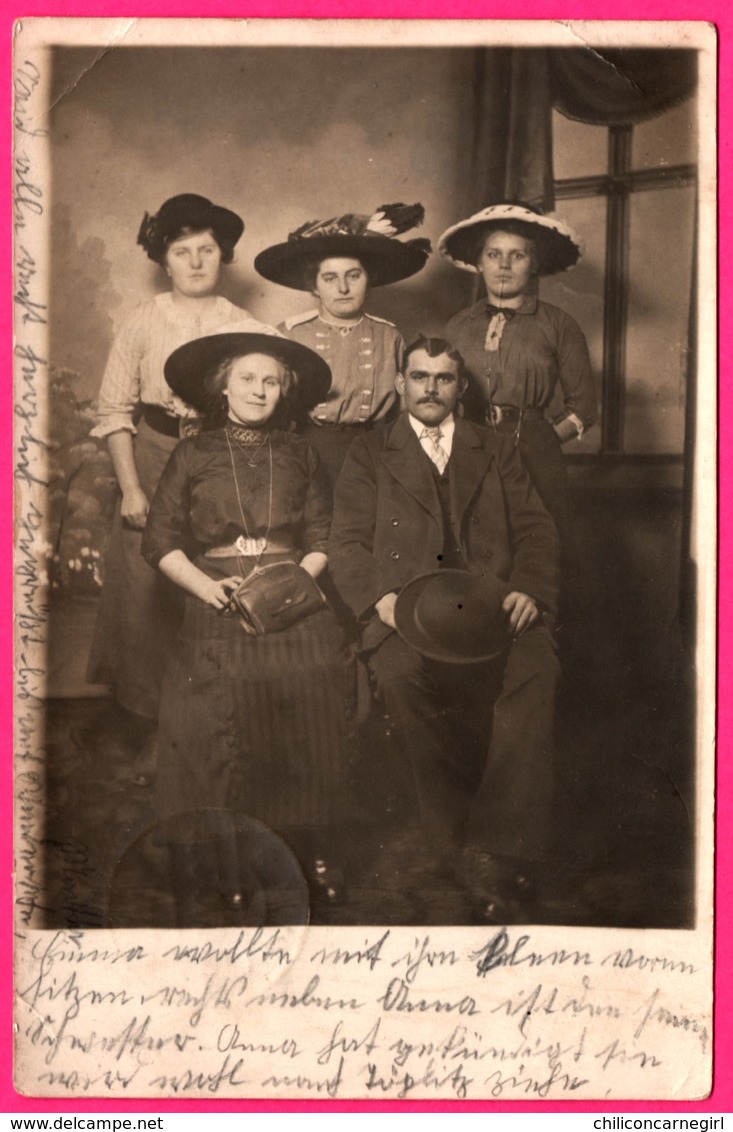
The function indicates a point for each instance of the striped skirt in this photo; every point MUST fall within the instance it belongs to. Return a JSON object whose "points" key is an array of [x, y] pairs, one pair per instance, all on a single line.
{"points": [[256, 724]]}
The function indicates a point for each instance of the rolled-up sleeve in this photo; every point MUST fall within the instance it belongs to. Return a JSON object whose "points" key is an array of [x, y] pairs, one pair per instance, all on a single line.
{"points": [[168, 526], [120, 391]]}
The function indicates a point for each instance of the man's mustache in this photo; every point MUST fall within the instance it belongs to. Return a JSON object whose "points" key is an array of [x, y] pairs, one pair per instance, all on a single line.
{"points": [[430, 401]]}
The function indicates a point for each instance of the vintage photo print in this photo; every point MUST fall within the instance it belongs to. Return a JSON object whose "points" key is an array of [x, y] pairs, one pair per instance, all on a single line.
{"points": [[365, 393]]}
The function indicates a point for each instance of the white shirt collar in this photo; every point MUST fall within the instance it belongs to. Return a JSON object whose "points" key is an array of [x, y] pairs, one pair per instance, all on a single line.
{"points": [[447, 428]]}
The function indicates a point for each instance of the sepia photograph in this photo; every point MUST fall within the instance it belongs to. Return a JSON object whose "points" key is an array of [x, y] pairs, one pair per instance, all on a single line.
{"points": [[365, 556]]}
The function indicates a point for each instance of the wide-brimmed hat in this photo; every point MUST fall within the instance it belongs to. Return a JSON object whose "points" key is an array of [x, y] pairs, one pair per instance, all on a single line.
{"points": [[558, 246], [370, 239], [187, 210], [454, 616], [187, 367]]}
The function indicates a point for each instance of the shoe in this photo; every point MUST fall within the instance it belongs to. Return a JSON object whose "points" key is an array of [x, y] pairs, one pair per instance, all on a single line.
{"points": [[326, 882], [502, 889]]}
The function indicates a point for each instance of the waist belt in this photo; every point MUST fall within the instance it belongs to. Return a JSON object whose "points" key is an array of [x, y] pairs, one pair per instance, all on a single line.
{"points": [[511, 415], [160, 421], [249, 548]]}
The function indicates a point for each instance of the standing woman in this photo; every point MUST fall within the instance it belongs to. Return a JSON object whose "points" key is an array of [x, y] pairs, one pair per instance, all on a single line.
{"points": [[519, 349], [142, 421], [339, 260], [251, 722]]}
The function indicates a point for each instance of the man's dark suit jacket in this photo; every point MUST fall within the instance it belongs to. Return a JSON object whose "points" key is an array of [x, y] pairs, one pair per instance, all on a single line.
{"points": [[388, 528]]}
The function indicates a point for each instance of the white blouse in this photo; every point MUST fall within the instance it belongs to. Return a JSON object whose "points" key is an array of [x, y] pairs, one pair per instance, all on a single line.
{"points": [[134, 371]]}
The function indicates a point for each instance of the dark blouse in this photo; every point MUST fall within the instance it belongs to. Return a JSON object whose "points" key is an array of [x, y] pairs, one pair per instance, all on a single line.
{"points": [[196, 507], [540, 346]]}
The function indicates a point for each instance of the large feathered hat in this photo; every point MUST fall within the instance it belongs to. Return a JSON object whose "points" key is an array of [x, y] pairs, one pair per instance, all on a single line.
{"points": [[558, 246], [370, 239], [187, 210]]}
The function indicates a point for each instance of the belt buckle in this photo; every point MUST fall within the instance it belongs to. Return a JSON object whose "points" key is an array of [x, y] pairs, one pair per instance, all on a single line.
{"points": [[496, 414], [188, 426], [250, 547]]}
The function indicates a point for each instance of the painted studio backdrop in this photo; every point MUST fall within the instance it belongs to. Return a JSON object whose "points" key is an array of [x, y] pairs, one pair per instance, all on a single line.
{"points": [[283, 135]]}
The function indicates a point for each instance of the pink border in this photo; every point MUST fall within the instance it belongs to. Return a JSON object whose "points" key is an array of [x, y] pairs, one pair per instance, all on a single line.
{"points": [[721, 1099]]}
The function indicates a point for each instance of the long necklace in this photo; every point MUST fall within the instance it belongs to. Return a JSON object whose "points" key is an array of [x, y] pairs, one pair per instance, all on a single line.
{"points": [[247, 546]]}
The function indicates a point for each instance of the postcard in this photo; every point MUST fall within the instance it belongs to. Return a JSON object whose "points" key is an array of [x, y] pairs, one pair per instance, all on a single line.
{"points": [[365, 536]]}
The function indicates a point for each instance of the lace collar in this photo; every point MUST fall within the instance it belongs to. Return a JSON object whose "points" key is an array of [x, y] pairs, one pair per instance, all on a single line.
{"points": [[247, 437]]}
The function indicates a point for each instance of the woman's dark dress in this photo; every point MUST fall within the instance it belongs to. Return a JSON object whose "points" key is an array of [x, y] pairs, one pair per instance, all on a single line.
{"points": [[537, 350], [252, 724]]}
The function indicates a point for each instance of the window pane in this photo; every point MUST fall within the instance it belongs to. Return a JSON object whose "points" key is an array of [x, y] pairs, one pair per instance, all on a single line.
{"points": [[661, 242], [580, 293], [670, 139], [578, 150]]}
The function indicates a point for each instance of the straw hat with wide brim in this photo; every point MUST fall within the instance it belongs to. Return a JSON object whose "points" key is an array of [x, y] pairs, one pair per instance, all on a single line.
{"points": [[187, 367], [370, 239], [558, 246], [454, 616], [187, 210]]}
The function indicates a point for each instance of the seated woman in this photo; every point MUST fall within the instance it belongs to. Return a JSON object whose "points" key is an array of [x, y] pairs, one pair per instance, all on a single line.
{"points": [[519, 350], [338, 261], [251, 723]]}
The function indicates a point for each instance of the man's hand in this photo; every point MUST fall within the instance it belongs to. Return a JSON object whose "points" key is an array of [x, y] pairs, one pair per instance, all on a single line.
{"points": [[385, 609], [134, 508], [522, 611]]}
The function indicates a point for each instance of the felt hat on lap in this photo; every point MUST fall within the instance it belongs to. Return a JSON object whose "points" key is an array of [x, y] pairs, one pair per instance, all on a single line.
{"points": [[454, 616]]}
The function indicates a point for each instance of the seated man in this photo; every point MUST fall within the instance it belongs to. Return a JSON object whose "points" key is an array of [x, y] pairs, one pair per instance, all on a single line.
{"points": [[433, 491]]}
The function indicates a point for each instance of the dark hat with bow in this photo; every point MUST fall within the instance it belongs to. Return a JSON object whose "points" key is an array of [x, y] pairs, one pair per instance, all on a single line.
{"points": [[188, 367], [558, 246], [454, 616], [187, 210], [370, 239]]}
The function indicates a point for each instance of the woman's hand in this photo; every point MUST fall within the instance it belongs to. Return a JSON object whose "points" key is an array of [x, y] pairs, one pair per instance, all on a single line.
{"points": [[212, 591], [134, 508], [135, 505], [568, 429], [218, 592]]}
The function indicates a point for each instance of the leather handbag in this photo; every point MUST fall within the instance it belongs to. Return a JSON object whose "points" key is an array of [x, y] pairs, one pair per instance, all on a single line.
{"points": [[274, 597]]}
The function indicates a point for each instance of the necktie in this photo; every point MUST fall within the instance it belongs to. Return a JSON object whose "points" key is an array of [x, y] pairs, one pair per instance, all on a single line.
{"points": [[496, 325], [437, 454], [508, 312]]}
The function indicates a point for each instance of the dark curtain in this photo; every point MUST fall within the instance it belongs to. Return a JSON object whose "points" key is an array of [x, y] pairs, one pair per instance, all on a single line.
{"points": [[512, 154], [515, 90], [619, 87]]}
